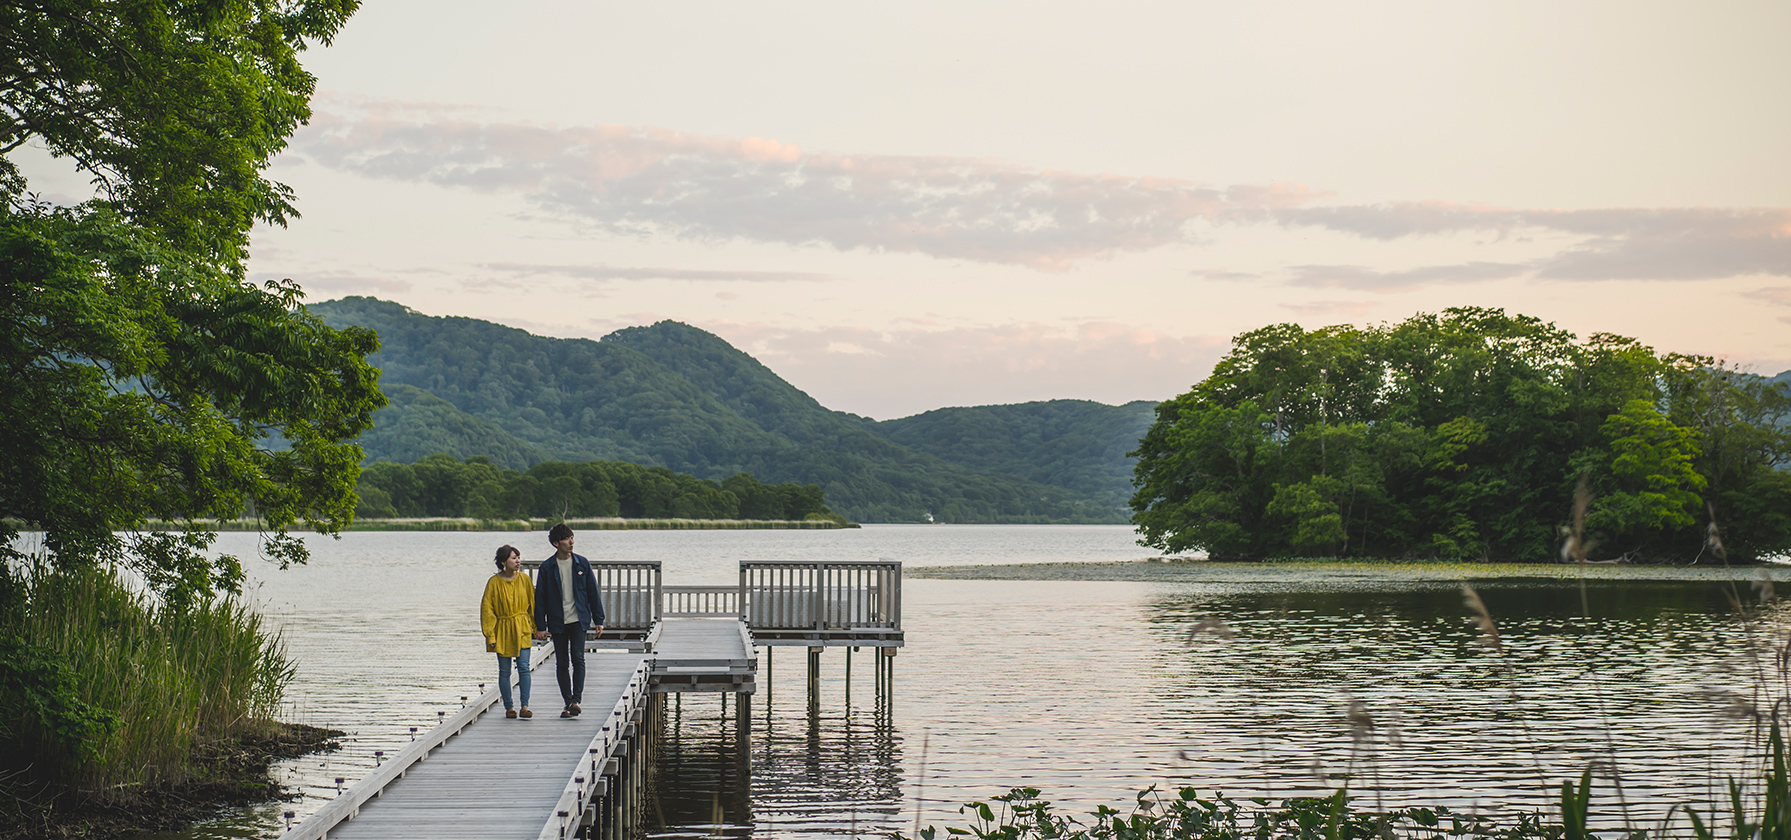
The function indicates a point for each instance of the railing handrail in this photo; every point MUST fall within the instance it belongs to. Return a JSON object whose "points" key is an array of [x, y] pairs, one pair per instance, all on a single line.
{"points": [[617, 564], [821, 595], [348, 803], [700, 601], [576, 796], [642, 578], [805, 564]]}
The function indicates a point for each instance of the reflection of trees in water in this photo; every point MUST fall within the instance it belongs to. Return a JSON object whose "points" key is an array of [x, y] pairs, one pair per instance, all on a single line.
{"points": [[820, 763], [1395, 687]]}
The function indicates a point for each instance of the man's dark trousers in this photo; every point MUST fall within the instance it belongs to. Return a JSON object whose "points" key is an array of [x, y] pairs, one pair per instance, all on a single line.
{"points": [[569, 649]]}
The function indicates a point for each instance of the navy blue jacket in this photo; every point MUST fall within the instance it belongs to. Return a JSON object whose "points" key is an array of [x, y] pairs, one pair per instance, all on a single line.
{"points": [[584, 594]]}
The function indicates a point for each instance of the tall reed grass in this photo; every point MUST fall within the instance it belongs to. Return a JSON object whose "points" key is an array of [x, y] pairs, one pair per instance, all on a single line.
{"points": [[126, 689]]}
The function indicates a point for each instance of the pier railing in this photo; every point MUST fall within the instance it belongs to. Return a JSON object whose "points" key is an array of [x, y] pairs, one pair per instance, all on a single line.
{"points": [[632, 602], [632, 594], [818, 603], [857, 602], [702, 601]]}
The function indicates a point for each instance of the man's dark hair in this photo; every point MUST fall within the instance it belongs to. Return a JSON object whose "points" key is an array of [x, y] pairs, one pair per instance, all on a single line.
{"points": [[558, 533], [504, 553]]}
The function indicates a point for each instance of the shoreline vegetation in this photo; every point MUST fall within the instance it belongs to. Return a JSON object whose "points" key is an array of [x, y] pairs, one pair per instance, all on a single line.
{"points": [[124, 712], [1334, 572], [238, 773], [607, 494], [815, 522]]}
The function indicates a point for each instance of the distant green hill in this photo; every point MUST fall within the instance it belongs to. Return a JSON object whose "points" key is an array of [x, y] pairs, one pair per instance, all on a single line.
{"points": [[417, 424], [1075, 444], [667, 395]]}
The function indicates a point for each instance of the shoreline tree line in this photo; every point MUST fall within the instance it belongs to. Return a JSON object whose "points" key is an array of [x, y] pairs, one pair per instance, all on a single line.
{"points": [[443, 485], [1470, 434]]}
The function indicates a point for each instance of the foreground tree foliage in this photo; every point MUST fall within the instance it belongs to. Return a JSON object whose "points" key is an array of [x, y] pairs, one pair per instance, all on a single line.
{"points": [[1465, 435], [145, 378]]}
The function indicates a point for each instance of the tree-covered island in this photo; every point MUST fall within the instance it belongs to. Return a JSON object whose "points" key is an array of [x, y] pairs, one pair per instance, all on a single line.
{"points": [[1467, 434]]}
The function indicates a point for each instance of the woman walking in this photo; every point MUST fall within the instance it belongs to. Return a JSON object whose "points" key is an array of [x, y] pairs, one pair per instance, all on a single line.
{"points": [[507, 615]]}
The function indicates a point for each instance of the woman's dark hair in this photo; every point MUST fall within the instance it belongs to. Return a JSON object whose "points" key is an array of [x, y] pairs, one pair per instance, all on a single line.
{"points": [[558, 533], [504, 553]]}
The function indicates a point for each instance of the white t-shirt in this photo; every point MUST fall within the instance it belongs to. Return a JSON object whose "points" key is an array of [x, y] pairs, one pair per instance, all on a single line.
{"points": [[568, 606]]}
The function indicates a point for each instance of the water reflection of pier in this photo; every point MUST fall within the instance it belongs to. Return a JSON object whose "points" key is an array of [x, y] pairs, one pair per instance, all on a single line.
{"points": [[603, 774]]}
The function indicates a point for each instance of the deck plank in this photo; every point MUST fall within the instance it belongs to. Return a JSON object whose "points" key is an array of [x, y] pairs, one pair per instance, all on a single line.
{"points": [[499, 777], [502, 778]]}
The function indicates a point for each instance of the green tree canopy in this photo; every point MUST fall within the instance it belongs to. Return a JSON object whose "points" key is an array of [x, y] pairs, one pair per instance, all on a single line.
{"points": [[1465, 434], [174, 108], [145, 378]]}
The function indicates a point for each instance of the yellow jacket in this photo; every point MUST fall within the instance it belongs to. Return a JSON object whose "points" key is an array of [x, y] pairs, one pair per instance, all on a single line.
{"points": [[507, 614]]}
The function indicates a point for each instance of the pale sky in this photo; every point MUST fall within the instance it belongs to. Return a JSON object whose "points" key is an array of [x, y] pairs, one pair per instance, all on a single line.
{"points": [[899, 207]]}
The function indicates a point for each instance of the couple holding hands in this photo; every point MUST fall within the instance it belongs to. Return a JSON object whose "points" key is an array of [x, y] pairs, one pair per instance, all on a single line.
{"points": [[561, 603]]}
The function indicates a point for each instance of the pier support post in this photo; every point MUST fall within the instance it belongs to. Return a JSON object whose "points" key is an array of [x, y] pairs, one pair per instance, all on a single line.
{"points": [[743, 729], [886, 679]]}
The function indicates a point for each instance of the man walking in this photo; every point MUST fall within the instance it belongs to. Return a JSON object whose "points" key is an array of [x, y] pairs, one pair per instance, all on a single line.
{"points": [[566, 604]]}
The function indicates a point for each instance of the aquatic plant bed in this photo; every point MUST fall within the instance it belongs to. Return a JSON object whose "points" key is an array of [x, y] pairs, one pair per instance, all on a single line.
{"points": [[1022, 814], [233, 772], [1343, 573]]}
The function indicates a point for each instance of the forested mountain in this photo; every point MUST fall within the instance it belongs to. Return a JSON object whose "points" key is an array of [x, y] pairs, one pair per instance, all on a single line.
{"points": [[1076, 444], [417, 424], [667, 395]]}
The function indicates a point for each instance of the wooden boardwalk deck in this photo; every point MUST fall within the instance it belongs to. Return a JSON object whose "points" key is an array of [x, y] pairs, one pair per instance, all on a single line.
{"points": [[494, 777], [480, 775], [703, 654]]}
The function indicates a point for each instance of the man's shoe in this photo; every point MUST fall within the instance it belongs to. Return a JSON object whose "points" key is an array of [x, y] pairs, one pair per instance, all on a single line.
{"points": [[567, 712], [526, 713], [574, 709], [510, 713]]}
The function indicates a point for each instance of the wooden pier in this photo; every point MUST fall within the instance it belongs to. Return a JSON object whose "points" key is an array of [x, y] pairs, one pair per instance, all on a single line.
{"points": [[480, 775]]}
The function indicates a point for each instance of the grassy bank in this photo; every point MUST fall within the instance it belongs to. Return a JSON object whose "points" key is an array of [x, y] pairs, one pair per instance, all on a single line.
{"points": [[448, 523], [111, 702]]}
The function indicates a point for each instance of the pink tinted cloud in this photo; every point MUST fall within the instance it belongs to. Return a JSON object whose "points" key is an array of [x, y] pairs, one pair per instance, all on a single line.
{"points": [[1352, 309], [623, 178], [601, 272], [1671, 243], [1367, 279], [885, 374], [1775, 295], [653, 180]]}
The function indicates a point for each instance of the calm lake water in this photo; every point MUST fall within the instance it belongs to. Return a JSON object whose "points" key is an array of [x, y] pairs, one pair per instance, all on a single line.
{"points": [[1089, 689]]}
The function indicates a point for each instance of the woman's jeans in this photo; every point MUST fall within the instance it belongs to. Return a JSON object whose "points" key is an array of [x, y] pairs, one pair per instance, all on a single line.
{"points": [[522, 677]]}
